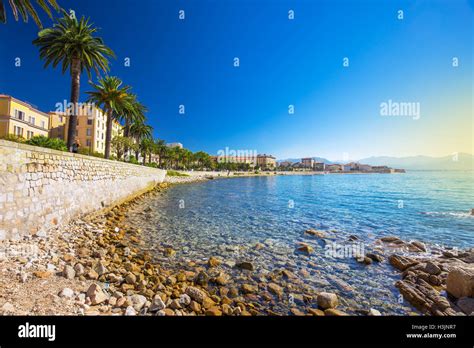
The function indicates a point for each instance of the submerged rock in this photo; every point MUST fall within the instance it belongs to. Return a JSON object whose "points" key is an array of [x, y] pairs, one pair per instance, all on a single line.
{"points": [[402, 262], [327, 300]]}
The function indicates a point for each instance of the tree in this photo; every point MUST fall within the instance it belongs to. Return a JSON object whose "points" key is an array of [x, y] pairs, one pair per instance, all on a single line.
{"points": [[140, 131], [120, 145], [114, 99], [160, 148], [135, 114], [26, 10], [70, 42]]}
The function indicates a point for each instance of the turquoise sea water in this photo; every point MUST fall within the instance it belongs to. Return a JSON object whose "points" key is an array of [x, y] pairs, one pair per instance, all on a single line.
{"points": [[227, 217]]}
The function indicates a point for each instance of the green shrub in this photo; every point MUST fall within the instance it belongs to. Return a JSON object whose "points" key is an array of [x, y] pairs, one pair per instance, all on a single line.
{"points": [[14, 138], [152, 164], [175, 173], [50, 143], [133, 160]]}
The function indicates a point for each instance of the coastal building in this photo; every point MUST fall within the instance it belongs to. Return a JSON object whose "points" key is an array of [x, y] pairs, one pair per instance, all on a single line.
{"points": [[334, 167], [179, 145], [266, 161], [285, 164], [381, 169], [90, 130], [308, 162], [250, 160], [21, 118], [319, 166], [57, 122]]}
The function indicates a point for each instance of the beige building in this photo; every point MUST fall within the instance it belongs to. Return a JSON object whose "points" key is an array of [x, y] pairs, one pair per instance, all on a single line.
{"points": [[266, 161], [22, 119], [307, 162], [90, 131]]}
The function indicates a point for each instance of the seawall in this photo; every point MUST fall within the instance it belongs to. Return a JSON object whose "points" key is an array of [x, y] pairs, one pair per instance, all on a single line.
{"points": [[41, 188]]}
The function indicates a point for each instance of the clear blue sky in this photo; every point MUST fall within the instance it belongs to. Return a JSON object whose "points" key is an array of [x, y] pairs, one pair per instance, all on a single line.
{"points": [[282, 62]]}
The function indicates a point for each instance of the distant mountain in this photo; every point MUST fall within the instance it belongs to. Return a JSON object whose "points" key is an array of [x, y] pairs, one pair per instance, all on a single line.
{"points": [[316, 159], [463, 161]]}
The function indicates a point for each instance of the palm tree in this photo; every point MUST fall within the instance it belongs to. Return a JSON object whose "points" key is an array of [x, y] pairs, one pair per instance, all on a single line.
{"points": [[140, 131], [70, 42], [136, 114], [160, 147], [114, 99], [26, 10]]}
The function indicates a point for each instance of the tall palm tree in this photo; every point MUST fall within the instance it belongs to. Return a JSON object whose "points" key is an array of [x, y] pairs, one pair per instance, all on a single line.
{"points": [[71, 43], [26, 10], [140, 131], [160, 147], [114, 99], [135, 114]]}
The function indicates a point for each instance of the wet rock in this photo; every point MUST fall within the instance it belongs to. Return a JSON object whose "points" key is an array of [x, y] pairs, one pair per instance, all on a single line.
{"points": [[248, 288], [466, 304], [170, 252], [316, 233], [305, 248], [297, 312], [392, 240], [402, 262], [195, 293], [421, 246], [374, 313], [352, 238], [246, 265], [316, 312], [334, 312], [202, 279], [460, 282], [275, 289], [327, 300], [422, 296], [68, 272], [364, 259], [432, 268], [375, 257], [222, 279], [96, 294], [213, 262]]}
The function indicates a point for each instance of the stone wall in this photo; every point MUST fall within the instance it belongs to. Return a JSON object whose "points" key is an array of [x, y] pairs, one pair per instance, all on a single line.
{"points": [[41, 188]]}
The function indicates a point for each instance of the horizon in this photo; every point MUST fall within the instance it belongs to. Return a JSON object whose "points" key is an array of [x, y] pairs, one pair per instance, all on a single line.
{"points": [[390, 98]]}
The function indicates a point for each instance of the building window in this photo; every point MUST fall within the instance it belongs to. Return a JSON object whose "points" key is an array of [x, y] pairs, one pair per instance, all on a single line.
{"points": [[19, 115], [29, 134], [43, 124], [89, 122], [88, 143], [97, 143], [32, 120], [60, 119], [102, 136], [18, 131], [88, 132]]}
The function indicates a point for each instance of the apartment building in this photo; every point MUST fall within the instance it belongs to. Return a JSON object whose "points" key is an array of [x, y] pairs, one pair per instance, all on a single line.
{"points": [[266, 161], [90, 130], [22, 119], [308, 162]]}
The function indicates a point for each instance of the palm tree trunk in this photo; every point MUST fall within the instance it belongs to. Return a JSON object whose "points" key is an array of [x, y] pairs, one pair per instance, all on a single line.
{"points": [[137, 152], [108, 132], [75, 87], [126, 134]]}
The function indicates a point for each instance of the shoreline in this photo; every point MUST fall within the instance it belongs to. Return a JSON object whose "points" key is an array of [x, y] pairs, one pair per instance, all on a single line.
{"points": [[96, 266]]}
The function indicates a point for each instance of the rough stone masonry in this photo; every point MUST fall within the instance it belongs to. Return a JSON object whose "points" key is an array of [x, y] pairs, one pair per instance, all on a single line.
{"points": [[41, 188]]}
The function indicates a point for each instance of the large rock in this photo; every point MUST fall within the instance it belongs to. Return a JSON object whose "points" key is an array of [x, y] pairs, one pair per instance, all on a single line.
{"points": [[195, 293], [138, 301], [96, 294], [69, 272], [402, 262], [460, 282], [157, 304], [432, 268], [327, 300], [466, 304]]}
